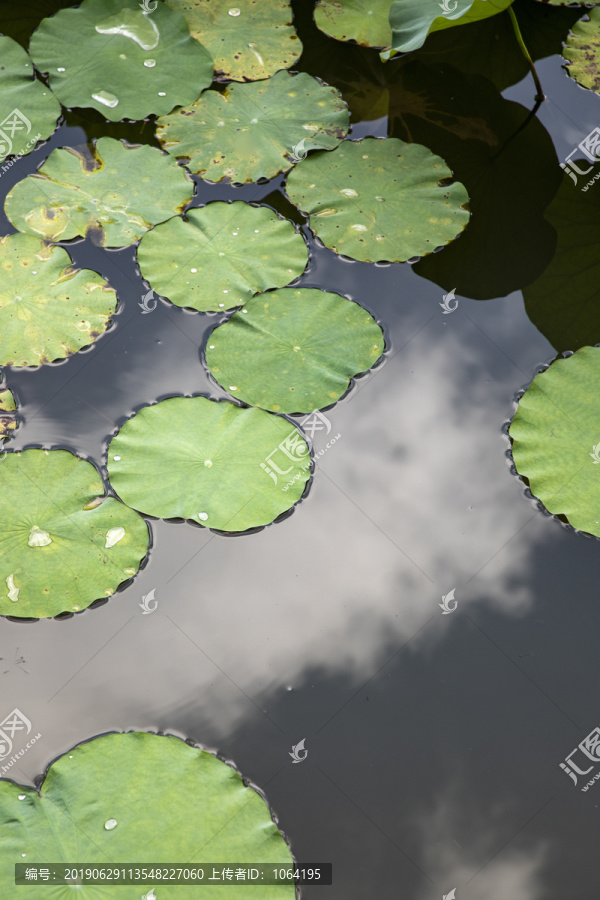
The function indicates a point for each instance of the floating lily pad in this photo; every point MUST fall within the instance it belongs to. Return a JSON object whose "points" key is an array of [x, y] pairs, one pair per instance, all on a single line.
{"points": [[127, 64], [8, 415], [62, 543], [556, 438], [251, 131], [222, 465], [221, 255], [48, 308], [294, 350], [379, 199], [28, 109], [148, 798], [363, 21], [582, 50], [249, 41], [413, 20], [129, 190]]}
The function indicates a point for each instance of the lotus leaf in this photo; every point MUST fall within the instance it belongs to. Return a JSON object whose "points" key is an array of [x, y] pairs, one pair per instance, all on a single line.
{"points": [[48, 308], [63, 544], [252, 131], [556, 438], [120, 60], [413, 20], [250, 41], [363, 21], [148, 798], [582, 50], [379, 199], [129, 190], [8, 418], [222, 465], [225, 253], [20, 92], [294, 350]]}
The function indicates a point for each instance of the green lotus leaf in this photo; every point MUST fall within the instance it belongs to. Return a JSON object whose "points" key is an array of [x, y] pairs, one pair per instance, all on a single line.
{"points": [[247, 42], [8, 417], [222, 465], [379, 199], [63, 544], [48, 308], [226, 252], [253, 130], [556, 438], [412, 20], [564, 302], [363, 21], [28, 109], [582, 50], [129, 190], [120, 60], [144, 798], [294, 350]]}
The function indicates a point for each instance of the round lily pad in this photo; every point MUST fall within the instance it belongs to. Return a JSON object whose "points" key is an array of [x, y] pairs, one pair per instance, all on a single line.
{"points": [[28, 109], [129, 190], [294, 350], [8, 415], [253, 130], [63, 544], [582, 50], [249, 41], [142, 798], [379, 199], [220, 255], [48, 308], [222, 465], [120, 60], [556, 438], [413, 20], [363, 21]]}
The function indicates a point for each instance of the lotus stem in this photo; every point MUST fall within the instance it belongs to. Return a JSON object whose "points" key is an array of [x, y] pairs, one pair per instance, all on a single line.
{"points": [[540, 96]]}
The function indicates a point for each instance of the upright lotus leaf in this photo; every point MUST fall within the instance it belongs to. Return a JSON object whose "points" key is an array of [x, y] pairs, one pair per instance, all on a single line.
{"points": [[252, 131], [564, 302], [363, 21], [222, 465], [379, 199], [412, 20], [556, 438], [120, 60], [247, 42], [129, 190], [8, 415], [48, 308], [582, 50], [294, 351], [220, 255], [28, 109], [142, 798], [63, 544]]}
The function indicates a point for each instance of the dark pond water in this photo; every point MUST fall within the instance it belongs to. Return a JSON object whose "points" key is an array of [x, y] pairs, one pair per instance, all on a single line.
{"points": [[434, 741]]}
